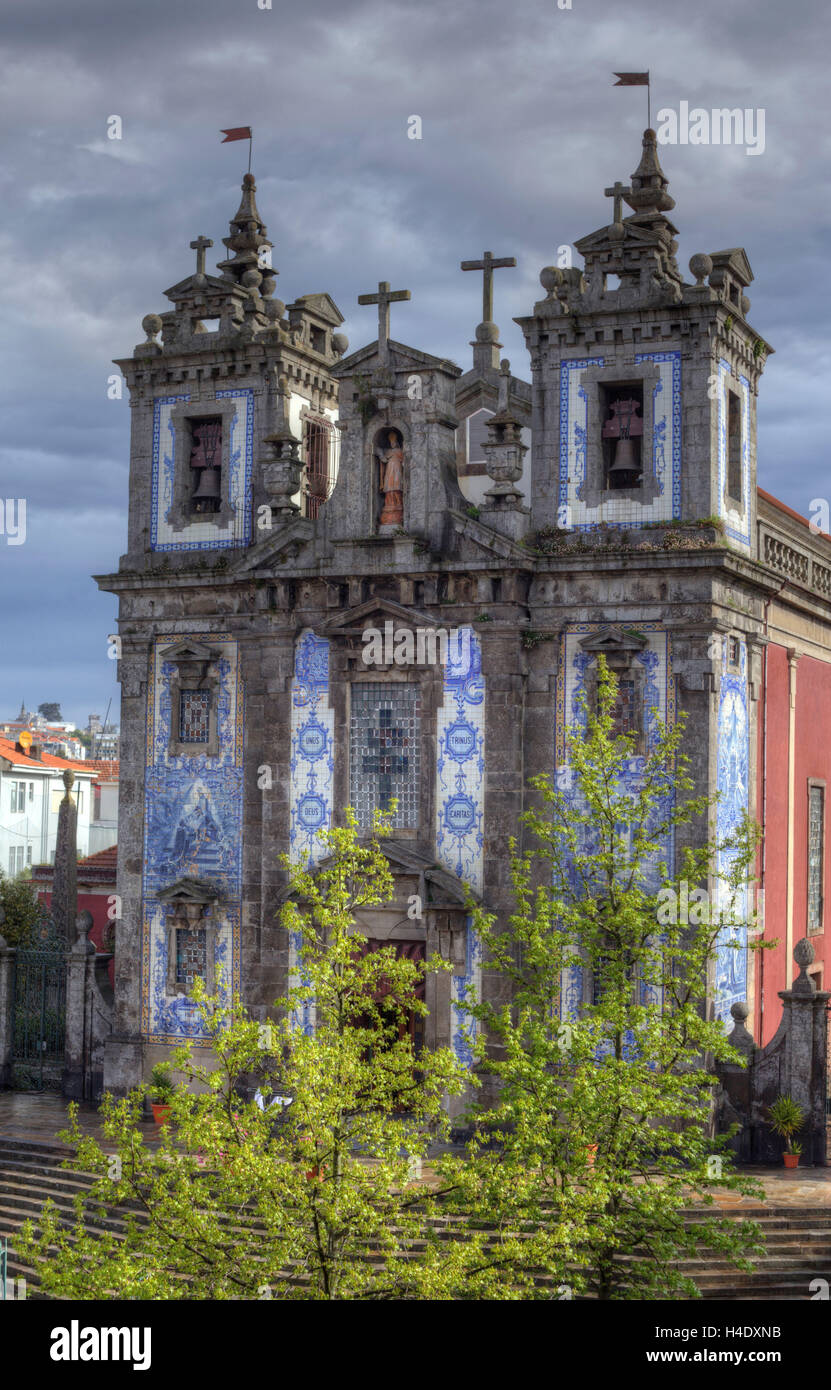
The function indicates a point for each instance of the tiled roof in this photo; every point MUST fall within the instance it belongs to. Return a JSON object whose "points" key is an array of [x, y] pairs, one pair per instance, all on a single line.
{"points": [[9, 750], [101, 866]]}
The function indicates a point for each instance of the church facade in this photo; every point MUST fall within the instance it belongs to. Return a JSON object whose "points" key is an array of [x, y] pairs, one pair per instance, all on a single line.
{"points": [[353, 577]]}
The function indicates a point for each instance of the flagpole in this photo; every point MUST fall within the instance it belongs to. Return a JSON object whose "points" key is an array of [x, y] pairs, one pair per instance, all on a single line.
{"points": [[648, 102], [250, 144]]}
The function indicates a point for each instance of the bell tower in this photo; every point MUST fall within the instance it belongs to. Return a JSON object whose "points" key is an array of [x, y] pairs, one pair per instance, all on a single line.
{"points": [[644, 385]]}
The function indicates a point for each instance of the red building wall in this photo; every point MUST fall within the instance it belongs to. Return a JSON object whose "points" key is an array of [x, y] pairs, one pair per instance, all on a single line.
{"points": [[812, 760]]}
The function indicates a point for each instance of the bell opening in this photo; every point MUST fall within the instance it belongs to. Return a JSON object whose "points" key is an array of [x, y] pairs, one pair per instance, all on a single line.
{"points": [[206, 465], [622, 436]]}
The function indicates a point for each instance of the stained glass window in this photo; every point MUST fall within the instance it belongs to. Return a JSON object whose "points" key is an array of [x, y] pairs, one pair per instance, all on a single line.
{"points": [[194, 715], [191, 956], [624, 711], [816, 835], [384, 751]]}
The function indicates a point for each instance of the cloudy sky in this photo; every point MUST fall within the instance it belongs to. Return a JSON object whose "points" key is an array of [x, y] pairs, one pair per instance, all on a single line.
{"points": [[522, 130]]}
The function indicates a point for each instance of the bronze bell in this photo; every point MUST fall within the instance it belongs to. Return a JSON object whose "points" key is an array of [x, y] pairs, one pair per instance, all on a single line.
{"points": [[626, 468], [209, 489]]}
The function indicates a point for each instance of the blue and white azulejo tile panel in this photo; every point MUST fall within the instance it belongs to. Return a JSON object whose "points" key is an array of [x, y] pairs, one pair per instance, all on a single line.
{"points": [[658, 695], [202, 533], [460, 803], [192, 829], [733, 785], [312, 749], [665, 447]]}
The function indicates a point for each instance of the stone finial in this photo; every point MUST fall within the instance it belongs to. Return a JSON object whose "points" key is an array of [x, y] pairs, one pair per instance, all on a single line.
{"points": [[152, 326], [701, 265], [551, 277], [648, 192], [741, 1038], [340, 343], [246, 242], [68, 779], [803, 954]]}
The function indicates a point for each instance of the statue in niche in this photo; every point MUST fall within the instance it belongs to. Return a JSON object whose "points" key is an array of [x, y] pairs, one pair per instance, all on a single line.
{"points": [[391, 480]]}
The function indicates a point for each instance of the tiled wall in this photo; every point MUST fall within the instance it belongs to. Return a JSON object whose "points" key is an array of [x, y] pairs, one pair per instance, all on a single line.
{"points": [[204, 534], [193, 828], [665, 447], [659, 694], [733, 785], [460, 801]]}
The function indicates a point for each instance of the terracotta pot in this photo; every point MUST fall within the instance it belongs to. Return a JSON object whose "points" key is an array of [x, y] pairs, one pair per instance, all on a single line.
{"points": [[791, 1160], [591, 1150], [161, 1113]]}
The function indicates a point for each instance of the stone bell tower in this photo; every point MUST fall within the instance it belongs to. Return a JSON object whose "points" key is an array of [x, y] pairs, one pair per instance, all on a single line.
{"points": [[644, 386]]}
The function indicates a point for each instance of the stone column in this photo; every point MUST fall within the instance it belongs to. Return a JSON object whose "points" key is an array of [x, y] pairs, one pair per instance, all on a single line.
{"points": [[78, 985], [7, 959], [65, 879], [804, 1072]]}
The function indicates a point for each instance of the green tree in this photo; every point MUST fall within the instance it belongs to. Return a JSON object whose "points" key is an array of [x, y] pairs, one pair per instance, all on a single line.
{"points": [[307, 1201], [22, 912], [601, 1133]]}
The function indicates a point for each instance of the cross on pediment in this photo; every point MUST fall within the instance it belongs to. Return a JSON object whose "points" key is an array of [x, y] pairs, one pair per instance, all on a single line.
{"points": [[200, 246], [384, 298], [618, 192], [489, 263]]}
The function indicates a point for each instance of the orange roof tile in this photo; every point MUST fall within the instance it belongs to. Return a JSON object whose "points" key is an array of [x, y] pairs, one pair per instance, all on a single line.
{"points": [[9, 750]]}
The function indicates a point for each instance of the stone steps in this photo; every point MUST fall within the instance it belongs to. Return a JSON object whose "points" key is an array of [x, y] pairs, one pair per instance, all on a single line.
{"points": [[798, 1240]]}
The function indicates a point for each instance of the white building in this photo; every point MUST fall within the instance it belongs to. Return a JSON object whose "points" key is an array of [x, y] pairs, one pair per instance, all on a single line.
{"points": [[31, 790]]}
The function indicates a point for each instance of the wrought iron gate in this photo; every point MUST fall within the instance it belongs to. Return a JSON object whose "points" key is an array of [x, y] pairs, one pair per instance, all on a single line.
{"points": [[40, 1012]]}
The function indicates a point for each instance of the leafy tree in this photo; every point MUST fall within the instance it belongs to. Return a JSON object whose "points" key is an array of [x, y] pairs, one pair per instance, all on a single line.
{"points": [[22, 912], [601, 1131], [309, 1200]]}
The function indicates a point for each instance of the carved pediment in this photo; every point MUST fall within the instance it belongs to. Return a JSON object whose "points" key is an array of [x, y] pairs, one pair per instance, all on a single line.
{"points": [[401, 359], [279, 545], [375, 612], [439, 889], [187, 652], [613, 639], [189, 890]]}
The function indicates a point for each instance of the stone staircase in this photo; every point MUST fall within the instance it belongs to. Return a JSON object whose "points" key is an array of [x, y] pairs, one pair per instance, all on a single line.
{"points": [[797, 1239]]}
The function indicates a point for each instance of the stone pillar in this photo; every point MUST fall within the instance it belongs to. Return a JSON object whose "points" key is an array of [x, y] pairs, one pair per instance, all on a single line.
{"points": [[7, 959], [79, 982], [804, 1072], [65, 879]]}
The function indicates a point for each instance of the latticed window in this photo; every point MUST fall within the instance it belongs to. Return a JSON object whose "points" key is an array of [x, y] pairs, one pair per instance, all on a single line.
{"points": [[624, 710], [816, 837], [384, 751], [319, 479], [191, 956], [194, 716]]}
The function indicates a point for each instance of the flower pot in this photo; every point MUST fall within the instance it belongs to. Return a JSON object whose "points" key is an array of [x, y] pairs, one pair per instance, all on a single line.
{"points": [[161, 1113], [791, 1160]]}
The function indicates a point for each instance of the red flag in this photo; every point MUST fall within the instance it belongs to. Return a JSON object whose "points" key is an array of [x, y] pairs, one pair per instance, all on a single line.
{"points": [[239, 132], [632, 79]]}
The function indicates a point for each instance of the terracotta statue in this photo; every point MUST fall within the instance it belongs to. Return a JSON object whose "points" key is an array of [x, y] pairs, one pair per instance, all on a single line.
{"points": [[392, 480]]}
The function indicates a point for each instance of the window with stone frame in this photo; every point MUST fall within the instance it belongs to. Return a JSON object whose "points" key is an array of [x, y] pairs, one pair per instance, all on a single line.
{"points": [[384, 751], [734, 483], [194, 716], [318, 476], [622, 435], [816, 856], [191, 956]]}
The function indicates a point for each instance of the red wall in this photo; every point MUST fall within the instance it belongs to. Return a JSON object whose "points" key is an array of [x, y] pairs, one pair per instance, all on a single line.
{"points": [[812, 760]]}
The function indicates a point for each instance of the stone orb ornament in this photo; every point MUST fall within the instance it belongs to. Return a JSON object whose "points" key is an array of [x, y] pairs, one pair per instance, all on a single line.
{"points": [[152, 325], [252, 279], [551, 277], [487, 333], [701, 266], [340, 343], [745, 305]]}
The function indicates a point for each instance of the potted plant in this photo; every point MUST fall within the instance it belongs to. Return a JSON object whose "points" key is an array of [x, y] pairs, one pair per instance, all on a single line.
{"points": [[786, 1118], [161, 1092]]}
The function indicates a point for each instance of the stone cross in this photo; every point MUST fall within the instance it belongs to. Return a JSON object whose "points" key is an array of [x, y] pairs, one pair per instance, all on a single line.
{"points": [[619, 192], [200, 246], [384, 298], [488, 264]]}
